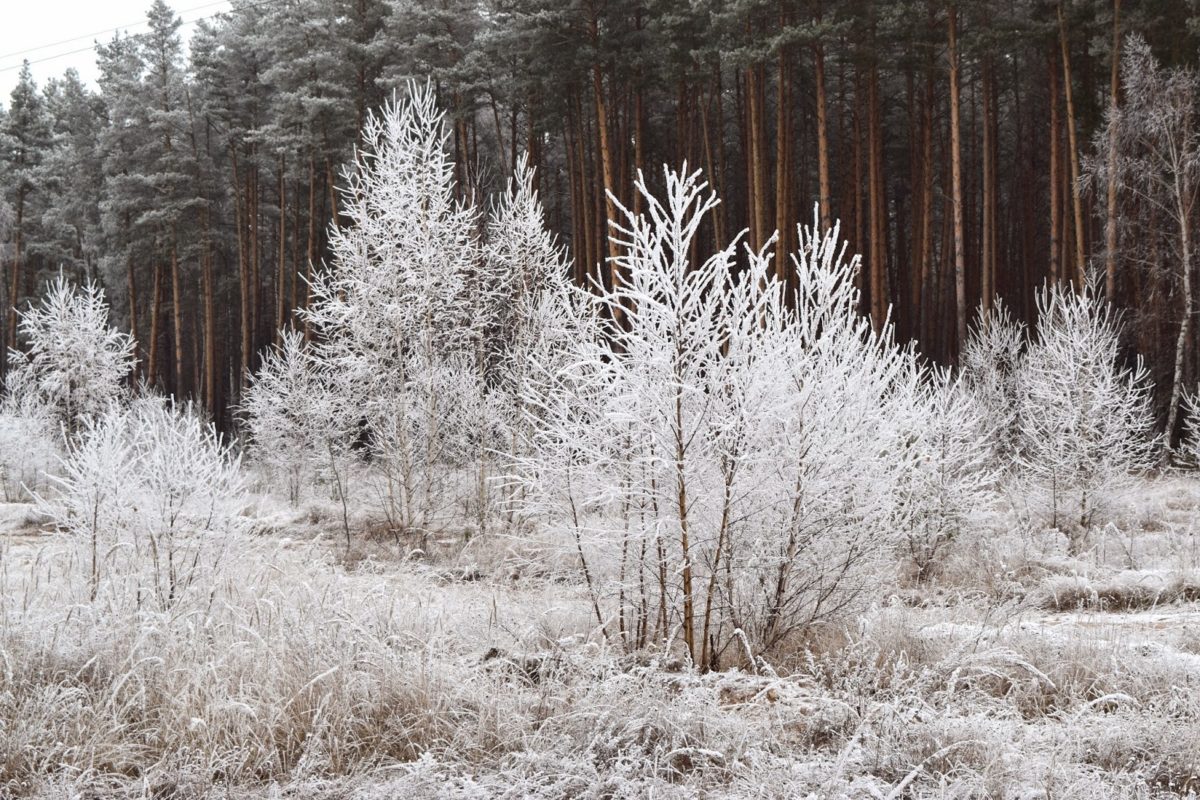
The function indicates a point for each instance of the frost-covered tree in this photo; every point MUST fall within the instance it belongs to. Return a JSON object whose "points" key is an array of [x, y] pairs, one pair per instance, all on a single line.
{"points": [[528, 304], [955, 473], [1085, 422], [990, 368], [1149, 148], [73, 177], [24, 141], [395, 312], [722, 462], [292, 419], [521, 262], [75, 364]]}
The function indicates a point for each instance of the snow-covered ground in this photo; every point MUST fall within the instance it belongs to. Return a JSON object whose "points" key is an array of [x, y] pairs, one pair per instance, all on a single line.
{"points": [[474, 669]]}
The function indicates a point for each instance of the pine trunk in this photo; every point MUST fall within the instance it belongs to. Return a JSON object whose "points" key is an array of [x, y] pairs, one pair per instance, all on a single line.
{"points": [[988, 231], [824, 201], [960, 276], [877, 263], [783, 189], [1055, 179], [281, 267], [177, 315], [1073, 149], [155, 304], [14, 295]]}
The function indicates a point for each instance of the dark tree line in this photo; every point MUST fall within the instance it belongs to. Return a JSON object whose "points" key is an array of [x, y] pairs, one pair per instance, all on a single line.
{"points": [[957, 142]]}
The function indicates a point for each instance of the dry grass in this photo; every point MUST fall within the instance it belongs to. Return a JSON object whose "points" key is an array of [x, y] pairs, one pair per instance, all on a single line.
{"points": [[475, 671]]}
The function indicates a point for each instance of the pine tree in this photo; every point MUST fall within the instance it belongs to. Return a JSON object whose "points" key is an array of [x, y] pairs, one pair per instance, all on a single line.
{"points": [[73, 178], [23, 149]]}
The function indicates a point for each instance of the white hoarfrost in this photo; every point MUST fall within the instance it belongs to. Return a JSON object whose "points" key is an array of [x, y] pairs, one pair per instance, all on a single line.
{"points": [[392, 313], [725, 463], [1190, 446], [955, 477], [153, 495], [74, 364], [990, 368], [1084, 422], [292, 417], [421, 330]]}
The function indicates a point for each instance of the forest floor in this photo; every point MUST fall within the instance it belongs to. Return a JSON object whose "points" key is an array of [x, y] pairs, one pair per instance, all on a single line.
{"points": [[474, 670]]}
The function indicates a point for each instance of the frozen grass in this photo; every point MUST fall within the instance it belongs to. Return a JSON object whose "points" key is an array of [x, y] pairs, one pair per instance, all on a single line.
{"points": [[473, 670], [1128, 591]]}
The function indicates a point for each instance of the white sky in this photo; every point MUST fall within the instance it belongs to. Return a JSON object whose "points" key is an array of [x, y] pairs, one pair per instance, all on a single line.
{"points": [[50, 33]]}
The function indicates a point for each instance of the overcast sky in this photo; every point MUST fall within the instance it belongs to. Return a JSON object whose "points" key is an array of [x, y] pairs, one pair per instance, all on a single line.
{"points": [[57, 34]]}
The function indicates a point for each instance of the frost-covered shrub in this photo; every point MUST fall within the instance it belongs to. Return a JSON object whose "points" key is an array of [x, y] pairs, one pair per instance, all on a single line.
{"points": [[74, 364], [29, 448], [1190, 446], [954, 475], [291, 415], [990, 368], [725, 464], [154, 495], [522, 263], [1085, 422]]}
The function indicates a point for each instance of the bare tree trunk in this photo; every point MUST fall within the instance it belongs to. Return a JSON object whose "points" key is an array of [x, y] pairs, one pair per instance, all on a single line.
{"points": [[689, 609], [254, 208], [758, 165], [311, 250], [281, 267], [822, 139], [960, 278], [988, 234], [877, 211], [783, 189], [239, 214], [210, 329], [14, 294], [639, 141], [133, 311], [155, 303], [1185, 325], [714, 174], [859, 216], [1055, 176], [591, 249], [927, 299], [1072, 144], [177, 315], [606, 159]]}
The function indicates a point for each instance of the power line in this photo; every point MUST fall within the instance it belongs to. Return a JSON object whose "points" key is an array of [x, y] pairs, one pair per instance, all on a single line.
{"points": [[6, 56], [94, 45]]}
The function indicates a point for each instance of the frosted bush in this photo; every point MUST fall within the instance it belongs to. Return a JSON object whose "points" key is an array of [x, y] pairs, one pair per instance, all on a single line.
{"points": [[724, 464], [153, 495], [990, 369], [290, 415], [954, 476], [1190, 447], [29, 449], [1085, 423]]}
